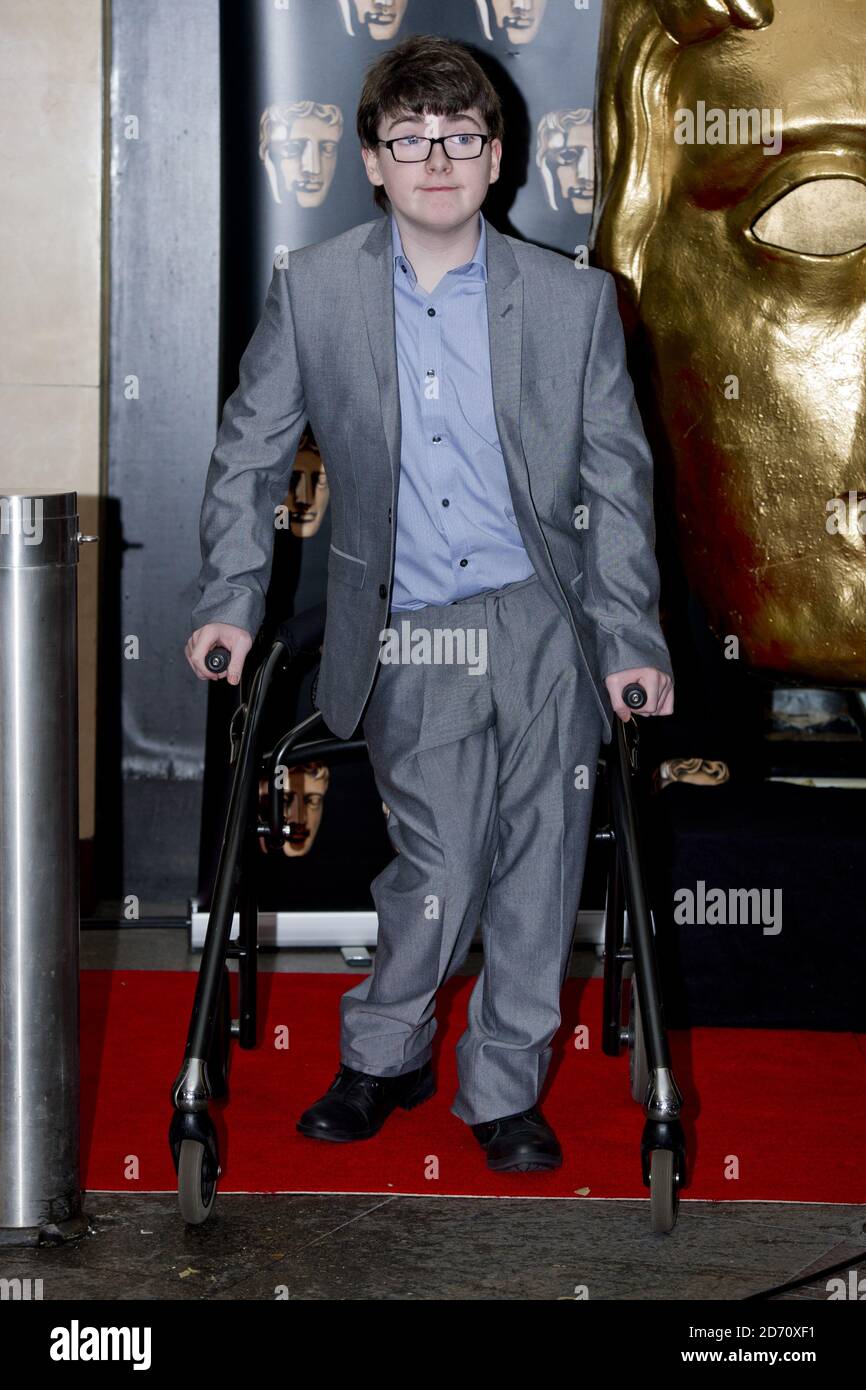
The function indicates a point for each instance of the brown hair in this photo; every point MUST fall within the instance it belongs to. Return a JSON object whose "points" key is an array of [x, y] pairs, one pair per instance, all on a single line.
{"points": [[424, 73]]}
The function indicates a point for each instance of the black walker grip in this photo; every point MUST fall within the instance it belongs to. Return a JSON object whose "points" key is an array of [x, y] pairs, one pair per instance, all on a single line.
{"points": [[217, 659], [634, 695]]}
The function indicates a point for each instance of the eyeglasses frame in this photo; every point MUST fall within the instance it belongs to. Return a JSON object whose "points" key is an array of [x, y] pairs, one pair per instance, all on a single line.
{"points": [[439, 140]]}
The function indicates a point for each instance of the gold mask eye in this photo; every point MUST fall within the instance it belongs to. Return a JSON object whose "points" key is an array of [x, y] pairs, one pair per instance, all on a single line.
{"points": [[822, 217]]}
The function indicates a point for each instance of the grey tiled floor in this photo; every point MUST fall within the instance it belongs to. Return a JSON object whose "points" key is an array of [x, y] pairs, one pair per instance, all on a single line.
{"points": [[422, 1248], [425, 1248]]}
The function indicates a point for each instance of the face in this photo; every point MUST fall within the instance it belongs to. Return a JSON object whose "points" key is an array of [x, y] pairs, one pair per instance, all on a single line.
{"points": [[381, 17], [519, 19], [306, 155], [440, 193], [303, 798], [569, 158], [308, 492], [753, 302]]}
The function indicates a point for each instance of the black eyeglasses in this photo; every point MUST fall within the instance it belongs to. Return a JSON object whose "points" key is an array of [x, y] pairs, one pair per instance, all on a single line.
{"points": [[414, 149]]}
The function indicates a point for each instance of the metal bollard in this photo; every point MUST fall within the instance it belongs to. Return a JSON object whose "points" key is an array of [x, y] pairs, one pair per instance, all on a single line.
{"points": [[40, 1188]]}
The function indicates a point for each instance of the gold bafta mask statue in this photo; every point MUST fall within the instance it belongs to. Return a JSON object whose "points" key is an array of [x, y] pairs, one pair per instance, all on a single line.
{"points": [[309, 493], [304, 787], [564, 155], [298, 143], [517, 20], [381, 18], [731, 207]]}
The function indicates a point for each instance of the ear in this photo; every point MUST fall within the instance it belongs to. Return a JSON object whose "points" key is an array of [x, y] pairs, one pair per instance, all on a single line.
{"points": [[371, 164]]}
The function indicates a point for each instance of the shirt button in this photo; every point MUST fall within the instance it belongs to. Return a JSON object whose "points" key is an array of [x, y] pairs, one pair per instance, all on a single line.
{"points": [[437, 439], [463, 564], [432, 313], [445, 502]]}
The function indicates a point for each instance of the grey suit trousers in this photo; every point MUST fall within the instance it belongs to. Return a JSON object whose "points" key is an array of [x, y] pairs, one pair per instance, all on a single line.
{"points": [[488, 767]]}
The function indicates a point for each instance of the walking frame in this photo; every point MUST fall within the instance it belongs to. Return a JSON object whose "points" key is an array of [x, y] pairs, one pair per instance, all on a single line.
{"points": [[629, 944]]}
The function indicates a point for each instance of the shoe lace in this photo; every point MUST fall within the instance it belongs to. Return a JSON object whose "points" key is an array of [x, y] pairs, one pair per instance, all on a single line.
{"points": [[349, 1080]]}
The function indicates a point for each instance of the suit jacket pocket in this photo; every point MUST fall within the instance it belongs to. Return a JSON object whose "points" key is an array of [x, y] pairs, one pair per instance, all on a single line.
{"points": [[348, 569]]}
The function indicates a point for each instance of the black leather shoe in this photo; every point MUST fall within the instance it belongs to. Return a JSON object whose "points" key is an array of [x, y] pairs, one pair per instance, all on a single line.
{"points": [[357, 1104], [521, 1143]]}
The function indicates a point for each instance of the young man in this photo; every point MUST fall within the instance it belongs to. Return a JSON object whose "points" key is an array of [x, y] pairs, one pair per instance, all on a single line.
{"points": [[482, 381]]}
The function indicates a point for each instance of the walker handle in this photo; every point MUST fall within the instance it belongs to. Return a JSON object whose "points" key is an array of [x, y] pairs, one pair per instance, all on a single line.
{"points": [[217, 659], [634, 695]]}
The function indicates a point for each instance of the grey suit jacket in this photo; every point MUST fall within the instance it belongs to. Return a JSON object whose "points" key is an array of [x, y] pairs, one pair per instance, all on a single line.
{"points": [[324, 350]]}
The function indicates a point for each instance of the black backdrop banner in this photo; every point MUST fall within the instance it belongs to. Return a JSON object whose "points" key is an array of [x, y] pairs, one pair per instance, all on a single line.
{"points": [[292, 175]]}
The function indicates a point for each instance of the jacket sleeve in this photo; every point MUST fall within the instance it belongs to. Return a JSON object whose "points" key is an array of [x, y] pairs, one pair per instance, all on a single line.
{"points": [[250, 469], [620, 591]]}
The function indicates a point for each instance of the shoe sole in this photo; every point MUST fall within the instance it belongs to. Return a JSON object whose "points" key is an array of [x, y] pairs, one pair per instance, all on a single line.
{"points": [[527, 1166], [338, 1136]]}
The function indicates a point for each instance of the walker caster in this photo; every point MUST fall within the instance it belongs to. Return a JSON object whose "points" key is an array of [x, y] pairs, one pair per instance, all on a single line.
{"points": [[196, 1187], [193, 1142], [664, 1190]]}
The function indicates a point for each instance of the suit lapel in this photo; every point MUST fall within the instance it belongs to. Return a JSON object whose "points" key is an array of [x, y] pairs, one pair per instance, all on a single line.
{"points": [[505, 326], [376, 280]]}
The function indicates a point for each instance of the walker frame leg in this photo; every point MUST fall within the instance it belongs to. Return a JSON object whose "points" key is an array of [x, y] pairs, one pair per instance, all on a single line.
{"points": [[630, 940]]}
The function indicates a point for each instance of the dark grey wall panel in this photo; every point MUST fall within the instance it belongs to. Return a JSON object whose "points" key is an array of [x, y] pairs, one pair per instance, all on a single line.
{"points": [[162, 390]]}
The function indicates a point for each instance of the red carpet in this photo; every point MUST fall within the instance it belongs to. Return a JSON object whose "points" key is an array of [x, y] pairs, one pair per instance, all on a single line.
{"points": [[787, 1109]]}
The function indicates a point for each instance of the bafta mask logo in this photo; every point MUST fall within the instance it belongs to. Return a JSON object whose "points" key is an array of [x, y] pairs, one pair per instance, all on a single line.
{"points": [[381, 18], [298, 147], [309, 493], [303, 789], [517, 20], [742, 287], [564, 155]]}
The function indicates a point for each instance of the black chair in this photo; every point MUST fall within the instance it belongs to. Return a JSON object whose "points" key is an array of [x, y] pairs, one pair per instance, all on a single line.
{"points": [[629, 945]]}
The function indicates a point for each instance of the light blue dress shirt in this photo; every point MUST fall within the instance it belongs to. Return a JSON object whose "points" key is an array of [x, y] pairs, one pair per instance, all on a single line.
{"points": [[456, 530]]}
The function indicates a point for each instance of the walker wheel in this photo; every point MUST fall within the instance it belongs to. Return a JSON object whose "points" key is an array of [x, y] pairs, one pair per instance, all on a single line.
{"points": [[638, 1063], [196, 1183], [664, 1190]]}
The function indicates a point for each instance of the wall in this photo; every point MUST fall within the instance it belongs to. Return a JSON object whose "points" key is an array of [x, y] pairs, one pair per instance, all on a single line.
{"points": [[50, 268]]}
